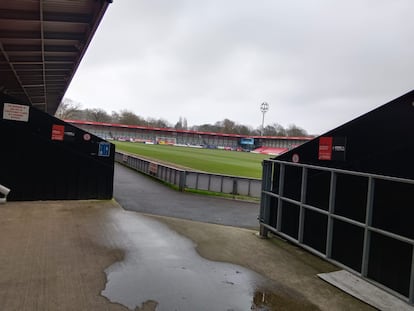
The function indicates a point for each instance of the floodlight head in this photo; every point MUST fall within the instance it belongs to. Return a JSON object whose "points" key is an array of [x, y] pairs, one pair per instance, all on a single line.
{"points": [[264, 107]]}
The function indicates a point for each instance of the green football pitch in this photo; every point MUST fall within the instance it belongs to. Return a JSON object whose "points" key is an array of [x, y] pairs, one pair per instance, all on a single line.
{"points": [[217, 161]]}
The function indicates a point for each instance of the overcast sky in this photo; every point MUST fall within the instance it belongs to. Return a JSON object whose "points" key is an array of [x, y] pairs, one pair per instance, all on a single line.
{"points": [[317, 63]]}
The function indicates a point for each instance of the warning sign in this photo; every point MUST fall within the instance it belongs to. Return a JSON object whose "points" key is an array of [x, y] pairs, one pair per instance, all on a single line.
{"points": [[332, 148], [58, 132], [16, 112], [153, 168], [325, 148], [339, 149]]}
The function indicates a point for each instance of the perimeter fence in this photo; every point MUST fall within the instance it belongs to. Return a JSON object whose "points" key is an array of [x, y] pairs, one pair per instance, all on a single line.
{"points": [[187, 179]]}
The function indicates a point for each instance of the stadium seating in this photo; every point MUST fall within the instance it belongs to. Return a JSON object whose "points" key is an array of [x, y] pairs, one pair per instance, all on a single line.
{"points": [[270, 150]]}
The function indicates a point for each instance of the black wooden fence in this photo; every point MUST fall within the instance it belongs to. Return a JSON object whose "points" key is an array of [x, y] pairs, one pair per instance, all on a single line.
{"points": [[44, 158]]}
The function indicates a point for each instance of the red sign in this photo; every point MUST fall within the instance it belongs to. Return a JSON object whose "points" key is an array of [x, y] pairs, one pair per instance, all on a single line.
{"points": [[325, 148], [58, 132]]}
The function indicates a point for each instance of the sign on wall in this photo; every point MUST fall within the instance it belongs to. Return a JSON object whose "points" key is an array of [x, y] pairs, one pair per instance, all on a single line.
{"points": [[339, 149], [325, 148], [332, 148], [104, 149], [16, 112], [58, 132]]}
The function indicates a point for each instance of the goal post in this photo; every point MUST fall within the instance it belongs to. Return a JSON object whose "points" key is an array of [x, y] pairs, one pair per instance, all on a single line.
{"points": [[162, 140]]}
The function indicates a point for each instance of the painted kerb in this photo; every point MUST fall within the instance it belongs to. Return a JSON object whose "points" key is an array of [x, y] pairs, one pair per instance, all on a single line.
{"points": [[184, 179]]}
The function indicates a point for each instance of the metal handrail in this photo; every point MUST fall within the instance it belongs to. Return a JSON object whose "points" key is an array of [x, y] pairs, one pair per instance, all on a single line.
{"points": [[342, 171], [269, 167]]}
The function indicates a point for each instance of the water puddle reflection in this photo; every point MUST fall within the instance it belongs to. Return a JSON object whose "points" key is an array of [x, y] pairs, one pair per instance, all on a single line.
{"points": [[162, 271]]}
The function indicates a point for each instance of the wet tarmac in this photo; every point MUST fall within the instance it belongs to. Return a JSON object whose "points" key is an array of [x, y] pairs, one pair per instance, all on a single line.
{"points": [[93, 255], [162, 271], [137, 192], [163, 267]]}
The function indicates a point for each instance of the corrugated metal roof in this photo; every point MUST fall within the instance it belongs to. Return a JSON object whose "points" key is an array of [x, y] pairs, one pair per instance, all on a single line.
{"points": [[41, 45]]}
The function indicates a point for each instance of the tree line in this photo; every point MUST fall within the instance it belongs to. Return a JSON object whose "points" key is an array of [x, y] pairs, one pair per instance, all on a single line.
{"points": [[71, 110]]}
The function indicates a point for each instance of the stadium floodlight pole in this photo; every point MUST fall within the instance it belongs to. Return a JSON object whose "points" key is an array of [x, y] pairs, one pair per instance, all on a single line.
{"points": [[264, 107]]}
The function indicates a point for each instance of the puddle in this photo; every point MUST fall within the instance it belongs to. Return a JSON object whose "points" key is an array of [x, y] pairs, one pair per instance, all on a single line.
{"points": [[270, 301], [162, 268]]}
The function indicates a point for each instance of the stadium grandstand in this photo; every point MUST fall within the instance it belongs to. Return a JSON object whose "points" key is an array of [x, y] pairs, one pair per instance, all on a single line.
{"points": [[261, 144]]}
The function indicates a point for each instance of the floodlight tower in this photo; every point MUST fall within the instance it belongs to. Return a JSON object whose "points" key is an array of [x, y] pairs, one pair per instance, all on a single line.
{"points": [[264, 107]]}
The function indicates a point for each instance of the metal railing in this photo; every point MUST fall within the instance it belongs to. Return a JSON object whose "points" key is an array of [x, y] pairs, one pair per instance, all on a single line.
{"points": [[185, 179], [278, 206]]}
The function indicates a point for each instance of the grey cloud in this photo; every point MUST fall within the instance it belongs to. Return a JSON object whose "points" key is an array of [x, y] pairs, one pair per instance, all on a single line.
{"points": [[316, 62]]}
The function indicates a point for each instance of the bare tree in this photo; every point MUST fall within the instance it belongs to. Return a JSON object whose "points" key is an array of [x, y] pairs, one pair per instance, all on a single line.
{"points": [[158, 123], [274, 129], [206, 128], [98, 115], [181, 124], [294, 130], [242, 130], [128, 117], [115, 117], [226, 126], [68, 109]]}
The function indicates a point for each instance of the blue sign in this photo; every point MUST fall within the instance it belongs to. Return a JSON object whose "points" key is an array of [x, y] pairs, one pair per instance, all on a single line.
{"points": [[104, 149], [247, 141]]}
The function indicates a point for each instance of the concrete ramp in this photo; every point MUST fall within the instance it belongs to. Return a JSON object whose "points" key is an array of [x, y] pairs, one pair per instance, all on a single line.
{"points": [[365, 291]]}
